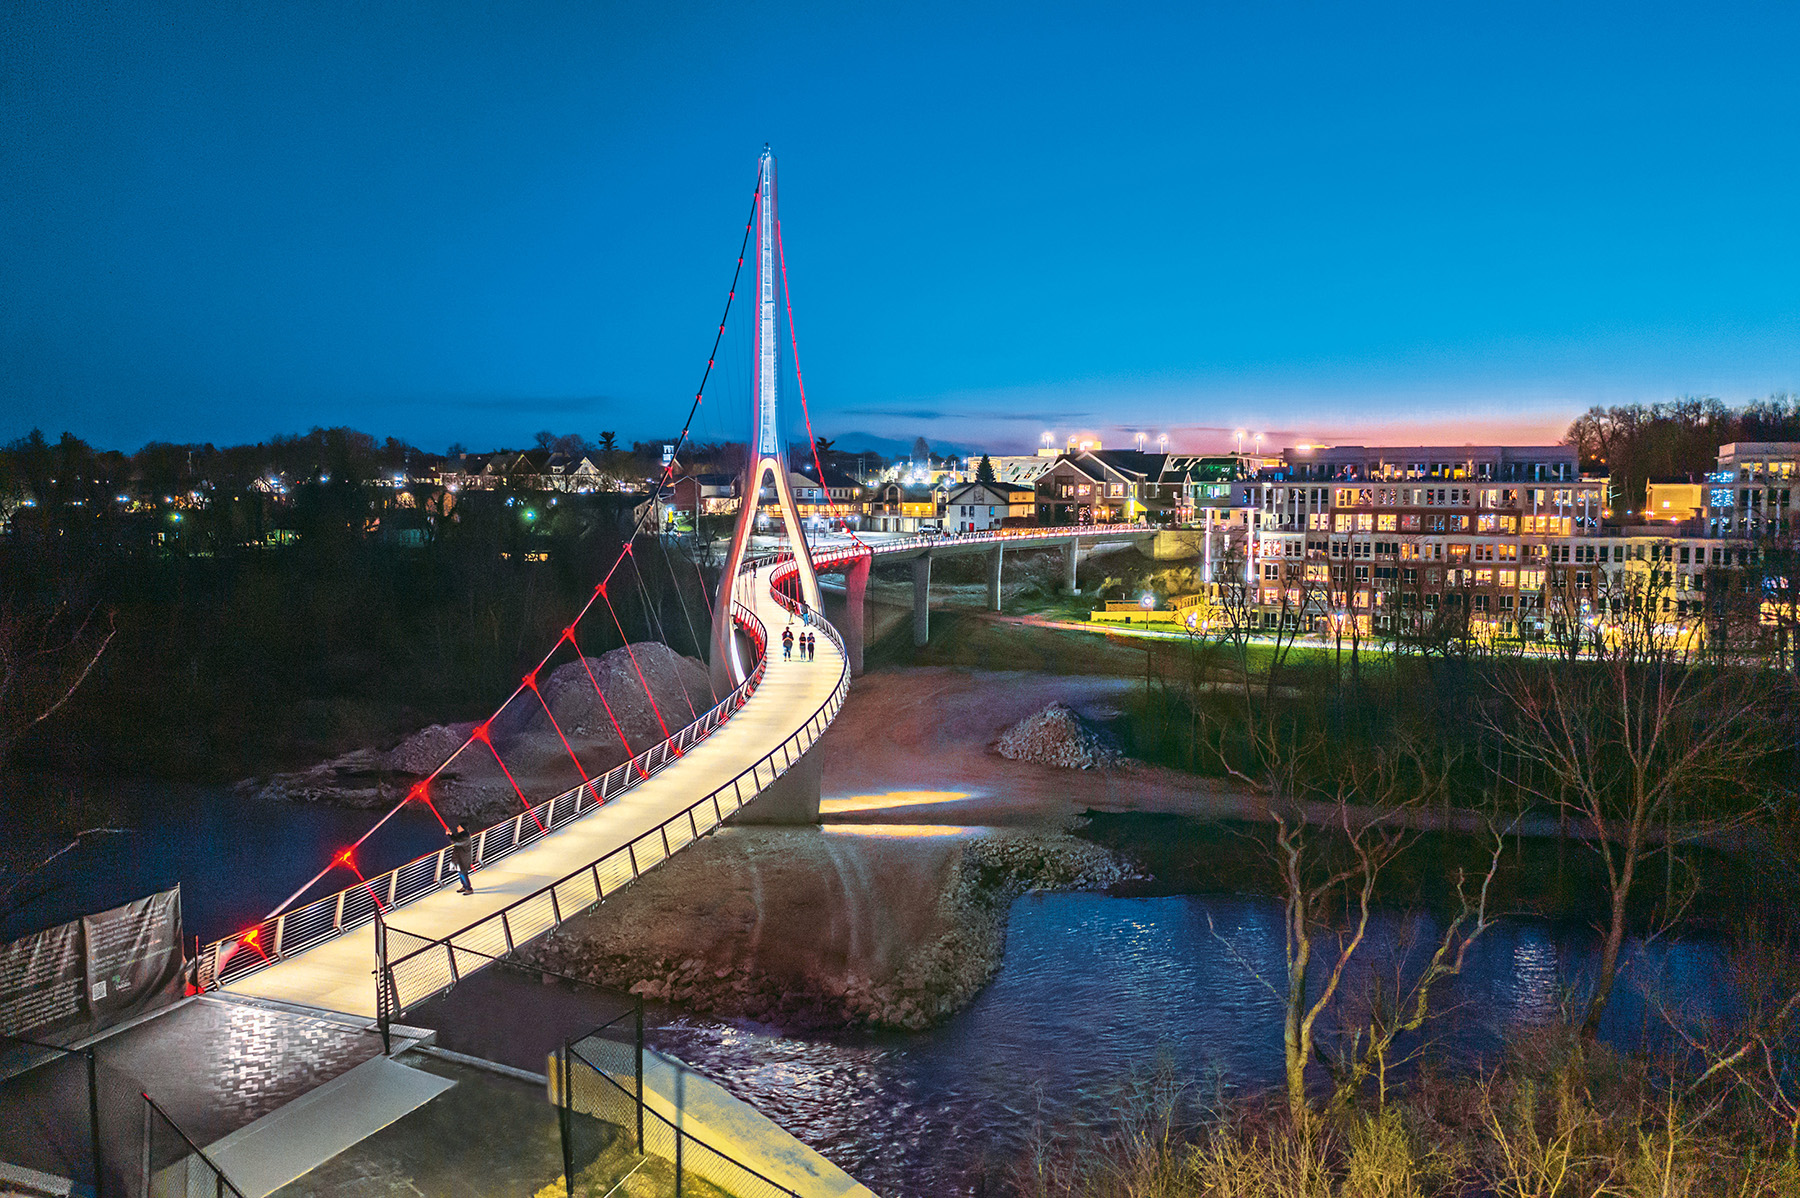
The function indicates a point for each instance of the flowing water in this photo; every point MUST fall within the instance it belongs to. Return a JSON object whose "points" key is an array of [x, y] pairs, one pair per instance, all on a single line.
{"points": [[1093, 992], [235, 858]]}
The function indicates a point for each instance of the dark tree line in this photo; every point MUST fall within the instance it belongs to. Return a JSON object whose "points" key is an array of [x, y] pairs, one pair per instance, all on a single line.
{"points": [[1637, 443]]}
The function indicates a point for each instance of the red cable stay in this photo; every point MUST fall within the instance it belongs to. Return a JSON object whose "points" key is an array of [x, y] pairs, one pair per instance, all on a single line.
{"points": [[421, 789], [486, 737], [569, 632], [800, 382], [531, 681]]}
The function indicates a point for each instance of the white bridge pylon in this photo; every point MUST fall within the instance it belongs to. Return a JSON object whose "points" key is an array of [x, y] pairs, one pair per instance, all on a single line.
{"points": [[767, 457]]}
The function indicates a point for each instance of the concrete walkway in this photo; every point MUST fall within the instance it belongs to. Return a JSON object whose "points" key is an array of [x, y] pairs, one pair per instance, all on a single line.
{"points": [[338, 974], [279, 1147]]}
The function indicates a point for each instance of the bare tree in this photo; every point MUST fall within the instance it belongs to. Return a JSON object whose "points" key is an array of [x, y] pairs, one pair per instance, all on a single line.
{"points": [[1330, 844], [1635, 740], [47, 650], [1401, 1007]]}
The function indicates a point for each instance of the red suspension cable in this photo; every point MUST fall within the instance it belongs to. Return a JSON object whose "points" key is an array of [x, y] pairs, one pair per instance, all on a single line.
{"points": [[420, 790], [642, 681], [569, 632], [799, 381], [531, 681], [482, 734]]}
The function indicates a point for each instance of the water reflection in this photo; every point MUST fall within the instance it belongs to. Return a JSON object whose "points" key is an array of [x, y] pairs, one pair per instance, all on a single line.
{"points": [[1094, 989]]}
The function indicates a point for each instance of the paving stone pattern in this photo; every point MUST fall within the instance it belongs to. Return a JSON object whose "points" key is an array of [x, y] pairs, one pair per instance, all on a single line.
{"points": [[212, 1065]]}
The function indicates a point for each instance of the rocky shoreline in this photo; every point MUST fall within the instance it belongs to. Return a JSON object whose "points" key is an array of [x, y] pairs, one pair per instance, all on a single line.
{"points": [[918, 944]]}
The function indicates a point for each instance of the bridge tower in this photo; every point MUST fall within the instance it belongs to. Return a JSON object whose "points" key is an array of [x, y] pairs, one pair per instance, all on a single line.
{"points": [[767, 456]]}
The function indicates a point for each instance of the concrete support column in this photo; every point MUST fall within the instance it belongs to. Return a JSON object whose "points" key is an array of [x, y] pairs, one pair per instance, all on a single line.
{"points": [[995, 558], [921, 570], [791, 799], [1071, 559], [856, 586]]}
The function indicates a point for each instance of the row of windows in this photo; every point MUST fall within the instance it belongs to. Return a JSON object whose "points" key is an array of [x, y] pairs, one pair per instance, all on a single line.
{"points": [[1388, 577], [1479, 471]]}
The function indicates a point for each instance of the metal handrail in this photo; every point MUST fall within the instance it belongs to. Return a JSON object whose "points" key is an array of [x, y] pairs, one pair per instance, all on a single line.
{"points": [[221, 1183], [354, 906], [840, 550], [679, 1132], [523, 919]]}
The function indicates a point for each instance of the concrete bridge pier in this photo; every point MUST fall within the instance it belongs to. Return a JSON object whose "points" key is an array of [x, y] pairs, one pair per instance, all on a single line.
{"points": [[791, 799], [995, 558], [1071, 559], [921, 572], [856, 587]]}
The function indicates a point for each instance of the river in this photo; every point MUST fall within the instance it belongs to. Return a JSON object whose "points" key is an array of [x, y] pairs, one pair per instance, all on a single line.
{"points": [[1093, 992]]}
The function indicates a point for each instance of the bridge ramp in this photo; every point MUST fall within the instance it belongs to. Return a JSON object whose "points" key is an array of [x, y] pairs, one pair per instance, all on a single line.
{"points": [[338, 974]]}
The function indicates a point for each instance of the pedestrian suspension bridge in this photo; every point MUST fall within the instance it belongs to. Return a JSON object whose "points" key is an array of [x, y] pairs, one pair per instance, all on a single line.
{"points": [[374, 946]]}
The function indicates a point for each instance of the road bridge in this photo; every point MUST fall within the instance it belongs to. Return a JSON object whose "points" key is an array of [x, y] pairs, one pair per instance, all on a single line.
{"points": [[853, 559]]}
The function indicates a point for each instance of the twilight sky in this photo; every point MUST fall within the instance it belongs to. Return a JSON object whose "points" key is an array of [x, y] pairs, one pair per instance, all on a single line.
{"points": [[450, 221]]}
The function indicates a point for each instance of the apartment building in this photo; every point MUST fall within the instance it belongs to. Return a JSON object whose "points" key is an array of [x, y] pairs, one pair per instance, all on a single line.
{"points": [[1511, 538], [1753, 491], [1392, 535]]}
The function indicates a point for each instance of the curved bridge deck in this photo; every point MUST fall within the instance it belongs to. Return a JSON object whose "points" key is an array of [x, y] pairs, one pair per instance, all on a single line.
{"points": [[433, 934], [338, 974]]}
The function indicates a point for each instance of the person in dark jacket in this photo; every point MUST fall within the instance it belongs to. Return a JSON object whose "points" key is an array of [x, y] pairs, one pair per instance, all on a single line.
{"points": [[462, 855]]}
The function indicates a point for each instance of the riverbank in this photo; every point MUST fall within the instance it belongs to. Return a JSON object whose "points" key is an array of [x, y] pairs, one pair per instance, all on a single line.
{"points": [[809, 929]]}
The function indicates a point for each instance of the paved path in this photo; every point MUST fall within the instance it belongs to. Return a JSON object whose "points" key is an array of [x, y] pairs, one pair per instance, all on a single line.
{"points": [[338, 974]]}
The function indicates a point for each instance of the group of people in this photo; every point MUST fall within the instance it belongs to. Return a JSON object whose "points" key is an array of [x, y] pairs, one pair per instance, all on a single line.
{"points": [[462, 848], [806, 643]]}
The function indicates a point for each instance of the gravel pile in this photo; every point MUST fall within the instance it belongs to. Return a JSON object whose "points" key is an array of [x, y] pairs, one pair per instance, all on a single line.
{"points": [[474, 786], [1057, 736]]}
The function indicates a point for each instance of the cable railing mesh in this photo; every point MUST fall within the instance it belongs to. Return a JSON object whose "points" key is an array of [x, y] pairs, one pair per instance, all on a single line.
{"points": [[173, 1166], [296, 930], [353, 907], [611, 1131]]}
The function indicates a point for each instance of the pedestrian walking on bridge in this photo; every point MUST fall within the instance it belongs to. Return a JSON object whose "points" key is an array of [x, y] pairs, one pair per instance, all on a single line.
{"points": [[462, 856]]}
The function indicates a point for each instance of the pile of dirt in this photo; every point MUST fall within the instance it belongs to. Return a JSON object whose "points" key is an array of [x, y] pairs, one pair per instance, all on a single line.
{"points": [[1058, 736], [474, 787]]}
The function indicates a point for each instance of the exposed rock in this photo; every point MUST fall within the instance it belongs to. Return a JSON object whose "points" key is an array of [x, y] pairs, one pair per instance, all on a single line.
{"points": [[473, 787], [812, 931], [1058, 736]]}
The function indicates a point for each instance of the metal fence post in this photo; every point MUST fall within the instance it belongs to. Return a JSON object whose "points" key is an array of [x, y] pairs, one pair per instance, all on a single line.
{"points": [[93, 1077], [381, 983], [567, 1101], [639, 1012]]}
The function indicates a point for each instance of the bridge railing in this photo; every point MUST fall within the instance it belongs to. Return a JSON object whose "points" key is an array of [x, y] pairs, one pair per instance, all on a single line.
{"points": [[322, 919], [413, 967], [833, 552]]}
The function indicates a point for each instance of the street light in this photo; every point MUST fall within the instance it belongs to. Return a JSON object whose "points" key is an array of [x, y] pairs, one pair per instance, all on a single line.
{"points": [[1140, 441], [1259, 445], [1049, 438], [1240, 442], [1162, 442]]}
